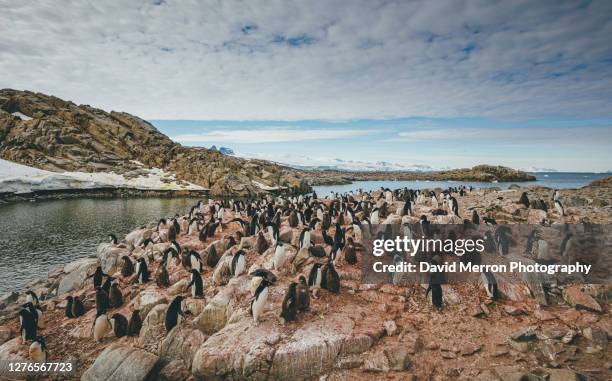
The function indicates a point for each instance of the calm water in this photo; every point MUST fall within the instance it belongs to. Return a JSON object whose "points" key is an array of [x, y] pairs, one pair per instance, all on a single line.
{"points": [[550, 179], [39, 236]]}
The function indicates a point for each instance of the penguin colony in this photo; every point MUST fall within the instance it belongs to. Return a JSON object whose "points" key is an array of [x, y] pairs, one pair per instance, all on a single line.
{"points": [[339, 219]]}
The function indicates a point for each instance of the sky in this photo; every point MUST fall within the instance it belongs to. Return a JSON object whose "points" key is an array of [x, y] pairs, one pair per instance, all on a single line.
{"points": [[442, 84]]}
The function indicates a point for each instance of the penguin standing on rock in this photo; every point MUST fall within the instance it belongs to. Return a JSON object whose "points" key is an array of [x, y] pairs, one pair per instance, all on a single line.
{"points": [[289, 306], [115, 296], [173, 313], [475, 218], [38, 350], [238, 263], [559, 208], [102, 302], [142, 272], [259, 301], [135, 324], [332, 278], [436, 290], [490, 284], [101, 326], [78, 308], [69, 302], [195, 260], [112, 239], [279, 256], [27, 326], [197, 290], [524, 200], [31, 297], [98, 276], [162, 278], [303, 294], [119, 324], [127, 268], [315, 278]]}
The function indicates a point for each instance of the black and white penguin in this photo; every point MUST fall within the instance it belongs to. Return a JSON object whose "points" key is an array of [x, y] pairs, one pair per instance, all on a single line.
{"points": [[36, 311], [279, 256], [142, 271], [102, 326], [106, 286], [162, 278], [195, 261], [303, 294], [332, 278], [475, 218], [68, 310], [27, 325], [489, 221], [135, 324], [315, 278], [490, 284], [350, 254], [102, 302], [173, 312], [31, 297], [119, 323], [78, 308], [566, 246], [98, 276], [453, 206], [261, 245], [435, 286], [524, 200], [213, 257], [305, 238], [238, 263], [127, 268], [113, 239], [289, 307], [38, 350], [115, 296], [559, 208], [259, 301], [196, 284]]}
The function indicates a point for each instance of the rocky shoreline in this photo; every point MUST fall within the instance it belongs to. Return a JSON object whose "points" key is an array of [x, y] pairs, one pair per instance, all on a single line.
{"points": [[364, 332]]}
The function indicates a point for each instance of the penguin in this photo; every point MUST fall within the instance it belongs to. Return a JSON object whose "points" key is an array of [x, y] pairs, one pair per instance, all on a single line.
{"points": [[173, 312], [238, 263], [102, 302], [475, 218], [69, 303], [317, 251], [112, 239], [196, 281], [289, 307], [559, 208], [31, 297], [436, 294], [101, 326], [332, 278], [135, 324], [303, 294], [142, 272], [524, 200], [162, 278], [212, 258], [38, 350], [119, 323], [172, 232], [195, 260], [127, 268], [566, 246], [98, 276], [106, 286], [27, 327], [305, 238], [293, 219], [279, 256], [350, 255], [397, 276], [501, 237], [489, 221], [490, 284], [115, 296], [36, 313], [315, 278], [454, 206], [261, 245], [78, 308], [259, 301]]}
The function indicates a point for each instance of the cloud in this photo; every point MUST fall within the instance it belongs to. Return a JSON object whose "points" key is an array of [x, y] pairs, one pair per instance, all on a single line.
{"points": [[268, 135], [295, 60]]}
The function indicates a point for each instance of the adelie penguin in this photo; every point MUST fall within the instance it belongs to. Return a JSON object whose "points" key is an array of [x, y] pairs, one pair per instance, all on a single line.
{"points": [[37, 313], [127, 267], [524, 200], [142, 272], [102, 326], [102, 302], [213, 257], [78, 308], [259, 301], [196, 284], [162, 278], [315, 278], [332, 278], [173, 313], [119, 323], [31, 297], [261, 245], [98, 276], [27, 325], [135, 324], [490, 284], [289, 306], [436, 290], [113, 239], [279, 256], [238, 263], [303, 294], [350, 255], [115, 296], [38, 350]]}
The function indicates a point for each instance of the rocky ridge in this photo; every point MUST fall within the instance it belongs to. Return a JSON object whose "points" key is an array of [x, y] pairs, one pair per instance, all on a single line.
{"points": [[365, 332]]}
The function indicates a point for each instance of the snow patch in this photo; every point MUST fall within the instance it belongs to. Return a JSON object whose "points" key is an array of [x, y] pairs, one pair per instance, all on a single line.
{"points": [[21, 116], [18, 178]]}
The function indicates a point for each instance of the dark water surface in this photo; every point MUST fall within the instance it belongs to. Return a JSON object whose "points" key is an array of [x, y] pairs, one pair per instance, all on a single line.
{"points": [[39, 236]]}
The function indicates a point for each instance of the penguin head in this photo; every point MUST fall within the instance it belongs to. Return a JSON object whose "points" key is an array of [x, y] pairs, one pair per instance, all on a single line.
{"points": [[69, 298], [302, 279], [112, 238]]}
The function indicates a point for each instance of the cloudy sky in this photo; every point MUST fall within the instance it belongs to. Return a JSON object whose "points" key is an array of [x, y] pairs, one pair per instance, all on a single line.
{"points": [[439, 83]]}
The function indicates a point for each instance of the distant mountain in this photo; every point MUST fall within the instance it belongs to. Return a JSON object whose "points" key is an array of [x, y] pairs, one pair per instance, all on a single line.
{"points": [[538, 169], [336, 164]]}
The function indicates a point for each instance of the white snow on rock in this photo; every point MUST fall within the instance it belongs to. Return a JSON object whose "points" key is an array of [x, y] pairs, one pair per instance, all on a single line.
{"points": [[266, 187], [18, 178], [21, 116]]}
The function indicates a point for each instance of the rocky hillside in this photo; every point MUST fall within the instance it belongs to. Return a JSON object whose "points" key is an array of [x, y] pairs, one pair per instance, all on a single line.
{"points": [[49, 133], [483, 173]]}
